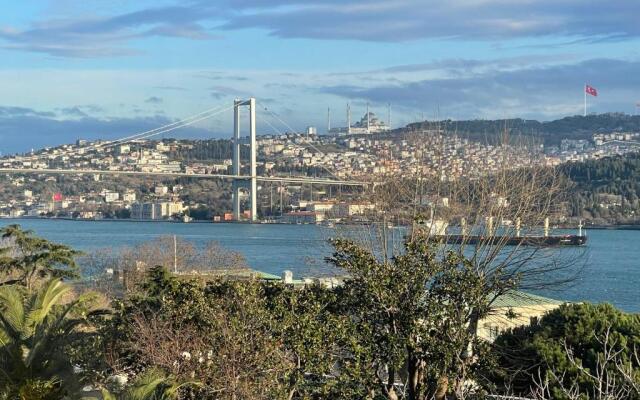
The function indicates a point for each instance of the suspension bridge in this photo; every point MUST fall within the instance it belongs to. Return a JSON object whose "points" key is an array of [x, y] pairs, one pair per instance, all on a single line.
{"points": [[239, 181]]}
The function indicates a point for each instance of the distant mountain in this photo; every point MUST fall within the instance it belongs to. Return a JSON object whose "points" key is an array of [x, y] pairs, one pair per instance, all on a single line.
{"points": [[550, 132]]}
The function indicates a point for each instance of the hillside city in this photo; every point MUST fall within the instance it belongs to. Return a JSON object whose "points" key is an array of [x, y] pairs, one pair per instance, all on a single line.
{"points": [[367, 148], [296, 200]]}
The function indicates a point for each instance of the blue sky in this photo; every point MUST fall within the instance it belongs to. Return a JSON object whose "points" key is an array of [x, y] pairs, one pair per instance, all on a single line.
{"points": [[100, 68]]}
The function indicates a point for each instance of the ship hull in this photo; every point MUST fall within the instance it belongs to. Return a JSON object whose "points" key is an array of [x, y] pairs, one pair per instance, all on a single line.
{"points": [[540, 241]]}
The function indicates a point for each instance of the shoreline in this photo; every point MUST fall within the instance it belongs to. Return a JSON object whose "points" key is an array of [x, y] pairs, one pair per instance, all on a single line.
{"points": [[587, 227]]}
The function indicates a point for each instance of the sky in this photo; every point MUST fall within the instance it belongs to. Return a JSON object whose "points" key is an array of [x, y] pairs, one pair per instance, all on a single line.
{"points": [[91, 69]]}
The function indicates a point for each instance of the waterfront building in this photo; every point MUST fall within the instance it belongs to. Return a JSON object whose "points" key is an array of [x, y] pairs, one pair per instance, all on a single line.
{"points": [[302, 217], [156, 210]]}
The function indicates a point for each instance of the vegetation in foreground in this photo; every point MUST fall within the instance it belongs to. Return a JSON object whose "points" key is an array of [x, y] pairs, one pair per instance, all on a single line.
{"points": [[399, 328]]}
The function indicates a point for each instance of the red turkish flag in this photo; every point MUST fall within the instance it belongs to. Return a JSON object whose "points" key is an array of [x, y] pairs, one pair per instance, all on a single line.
{"points": [[591, 90]]}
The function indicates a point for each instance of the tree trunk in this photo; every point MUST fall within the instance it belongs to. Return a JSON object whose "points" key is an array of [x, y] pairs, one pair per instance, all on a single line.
{"points": [[443, 388], [413, 370], [391, 389]]}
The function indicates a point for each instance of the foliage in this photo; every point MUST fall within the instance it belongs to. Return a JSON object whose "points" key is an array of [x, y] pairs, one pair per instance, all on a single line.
{"points": [[415, 319], [546, 348], [239, 339], [36, 329], [401, 327], [152, 384], [605, 190], [32, 257], [551, 132], [310, 328]]}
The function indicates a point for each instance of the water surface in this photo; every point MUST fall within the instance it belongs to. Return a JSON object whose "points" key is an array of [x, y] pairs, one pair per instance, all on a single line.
{"points": [[609, 265]]}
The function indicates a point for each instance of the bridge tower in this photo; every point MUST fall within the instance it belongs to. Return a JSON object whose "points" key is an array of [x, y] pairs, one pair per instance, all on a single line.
{"points": [[241, 182]]}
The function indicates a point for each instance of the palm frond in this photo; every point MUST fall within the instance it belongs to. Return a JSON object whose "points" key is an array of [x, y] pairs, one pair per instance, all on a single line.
{"points": [[147, 385], [45, 300], [12, 315]]}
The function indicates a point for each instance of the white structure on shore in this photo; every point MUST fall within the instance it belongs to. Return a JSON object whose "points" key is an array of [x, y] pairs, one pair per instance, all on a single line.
{"points": [[156, 210]]}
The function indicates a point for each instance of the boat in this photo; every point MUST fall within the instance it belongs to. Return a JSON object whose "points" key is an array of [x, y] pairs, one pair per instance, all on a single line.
{"points": [[545, 240], [540, 241]]}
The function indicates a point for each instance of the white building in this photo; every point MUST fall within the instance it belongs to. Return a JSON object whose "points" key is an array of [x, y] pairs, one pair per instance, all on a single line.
{"points": [[157, 210], [161, 190], [129, 197], [368, 124], [110, 197], [123, 149]]}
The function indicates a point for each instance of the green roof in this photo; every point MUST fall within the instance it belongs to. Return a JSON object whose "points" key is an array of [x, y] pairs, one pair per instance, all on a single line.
{"points": [[265, 275], [523, 299]]}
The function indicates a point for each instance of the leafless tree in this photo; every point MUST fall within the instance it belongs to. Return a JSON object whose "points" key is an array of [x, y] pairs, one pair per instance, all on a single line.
{"points": [[234, 357], [476, 214], [174, 253], [216, 257], [179, 350]]}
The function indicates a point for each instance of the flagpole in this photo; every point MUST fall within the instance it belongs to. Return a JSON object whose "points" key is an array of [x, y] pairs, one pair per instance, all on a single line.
{"points": [[585, 99]]}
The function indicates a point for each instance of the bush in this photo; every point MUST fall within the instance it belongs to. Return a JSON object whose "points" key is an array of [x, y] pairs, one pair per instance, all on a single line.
{"points": [[567, 348]]}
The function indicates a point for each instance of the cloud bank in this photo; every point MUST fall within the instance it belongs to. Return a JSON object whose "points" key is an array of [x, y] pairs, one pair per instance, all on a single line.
{"points": [[21, 127], [538, 92], [366, 20]]}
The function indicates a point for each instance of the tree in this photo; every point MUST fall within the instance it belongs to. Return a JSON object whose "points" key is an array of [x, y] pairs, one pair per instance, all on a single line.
{"points": [[218, 333], [577, 348], [312, 331], [35, 332], [467, 217], [27, 257], [414, 316], [167, 251]]}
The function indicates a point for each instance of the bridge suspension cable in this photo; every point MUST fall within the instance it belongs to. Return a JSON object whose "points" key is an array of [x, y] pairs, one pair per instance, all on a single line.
{"points": [[308, 144], [149, 133]]}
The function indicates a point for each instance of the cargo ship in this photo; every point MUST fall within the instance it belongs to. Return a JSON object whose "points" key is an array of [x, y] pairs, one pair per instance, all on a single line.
{"points": [[541, 241], [438, 234]]}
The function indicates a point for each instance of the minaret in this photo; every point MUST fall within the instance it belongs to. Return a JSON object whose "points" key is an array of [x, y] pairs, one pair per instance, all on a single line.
{"points": [[348, 119], [368, 119], [328, 120]]}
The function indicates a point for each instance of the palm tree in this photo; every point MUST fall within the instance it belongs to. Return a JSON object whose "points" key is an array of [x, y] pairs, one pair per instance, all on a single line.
{"points": [[30, 257], [153, 384], [35, 327]]}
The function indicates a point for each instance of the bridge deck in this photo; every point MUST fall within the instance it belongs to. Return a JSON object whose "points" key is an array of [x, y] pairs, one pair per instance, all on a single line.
{"points": [[291, 179]]}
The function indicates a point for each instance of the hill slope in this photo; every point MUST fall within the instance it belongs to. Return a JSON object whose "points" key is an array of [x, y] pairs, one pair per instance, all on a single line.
{"points": [[551, 132]]}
